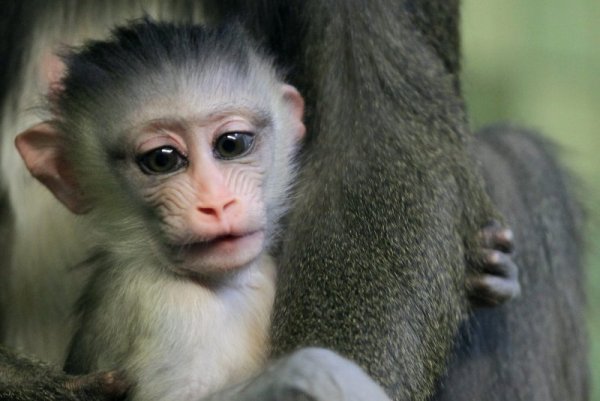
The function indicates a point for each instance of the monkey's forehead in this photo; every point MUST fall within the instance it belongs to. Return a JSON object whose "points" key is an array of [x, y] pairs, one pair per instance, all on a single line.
{"points": [[177, 93], [189, 96], [180, 119]]}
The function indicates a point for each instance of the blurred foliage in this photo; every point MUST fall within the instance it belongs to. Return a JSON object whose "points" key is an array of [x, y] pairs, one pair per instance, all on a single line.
{"points": [[537, 62]]}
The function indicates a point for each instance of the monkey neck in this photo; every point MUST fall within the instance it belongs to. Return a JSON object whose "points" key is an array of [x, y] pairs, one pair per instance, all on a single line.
{"points": [[162, 327]]}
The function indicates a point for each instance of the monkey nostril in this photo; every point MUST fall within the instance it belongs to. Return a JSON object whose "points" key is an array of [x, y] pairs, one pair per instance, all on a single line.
{"points": [[210, 211]]}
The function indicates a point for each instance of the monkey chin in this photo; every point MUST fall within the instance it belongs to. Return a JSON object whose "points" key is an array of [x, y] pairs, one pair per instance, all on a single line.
{"points": [[222, 256]]}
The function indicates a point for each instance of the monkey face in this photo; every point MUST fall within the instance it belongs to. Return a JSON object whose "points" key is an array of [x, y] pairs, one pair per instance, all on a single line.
{"points": [[204, 176]]}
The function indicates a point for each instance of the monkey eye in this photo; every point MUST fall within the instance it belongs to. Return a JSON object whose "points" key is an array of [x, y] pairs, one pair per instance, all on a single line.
{"points": [[233, 144], [161, 160]]}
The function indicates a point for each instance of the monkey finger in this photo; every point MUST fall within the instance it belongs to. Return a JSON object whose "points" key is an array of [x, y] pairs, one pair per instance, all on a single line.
{"points": [[490, 290], [500, 264], [494, 236], [504, 240], [98, 386]]}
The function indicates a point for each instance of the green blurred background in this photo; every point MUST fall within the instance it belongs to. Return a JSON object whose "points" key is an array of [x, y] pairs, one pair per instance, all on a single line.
{"points": [[537, 62]]}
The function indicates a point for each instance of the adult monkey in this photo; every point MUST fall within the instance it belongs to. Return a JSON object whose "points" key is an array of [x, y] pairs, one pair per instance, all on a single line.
{"points": [[436, 247], [373, 75]]}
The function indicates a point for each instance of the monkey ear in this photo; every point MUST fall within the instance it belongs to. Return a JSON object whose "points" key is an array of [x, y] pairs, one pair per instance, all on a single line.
{"points": [[296, 104], [42, 151]]}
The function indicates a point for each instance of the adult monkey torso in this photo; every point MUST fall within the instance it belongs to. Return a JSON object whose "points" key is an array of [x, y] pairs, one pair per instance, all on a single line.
{"points": [[394, 233]]}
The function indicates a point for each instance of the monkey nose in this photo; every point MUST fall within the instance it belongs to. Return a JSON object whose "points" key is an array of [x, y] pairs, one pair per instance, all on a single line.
{"points": [[216, 210]]}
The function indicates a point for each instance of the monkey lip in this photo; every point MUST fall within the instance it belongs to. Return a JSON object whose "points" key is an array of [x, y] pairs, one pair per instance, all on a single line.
{"points": [[228, 238], [236, 248]]}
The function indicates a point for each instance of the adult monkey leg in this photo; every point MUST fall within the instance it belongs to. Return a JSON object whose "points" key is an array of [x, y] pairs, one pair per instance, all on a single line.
{"points": [[389, 200]]}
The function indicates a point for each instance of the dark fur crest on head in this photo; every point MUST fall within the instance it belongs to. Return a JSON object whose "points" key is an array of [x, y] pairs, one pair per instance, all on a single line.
{"points": [[146, 46]]}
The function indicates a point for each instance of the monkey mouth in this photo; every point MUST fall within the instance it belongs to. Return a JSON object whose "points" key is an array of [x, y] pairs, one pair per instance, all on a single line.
{"points": [[222, 239], [230, 245]]}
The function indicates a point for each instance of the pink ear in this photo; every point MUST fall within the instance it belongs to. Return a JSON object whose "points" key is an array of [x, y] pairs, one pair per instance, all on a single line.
{"points": [[296, 102], [41, 149]]}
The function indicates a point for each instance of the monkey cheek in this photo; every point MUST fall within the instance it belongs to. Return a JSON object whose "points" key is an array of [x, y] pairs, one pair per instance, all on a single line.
{"points": [[224, 254]]}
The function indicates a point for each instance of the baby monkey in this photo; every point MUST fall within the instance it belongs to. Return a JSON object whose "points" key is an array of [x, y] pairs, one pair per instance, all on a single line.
{"points": [[176, 142]]}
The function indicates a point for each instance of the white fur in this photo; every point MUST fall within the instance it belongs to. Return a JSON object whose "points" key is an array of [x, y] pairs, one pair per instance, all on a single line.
{"points": [[178, 339]]}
